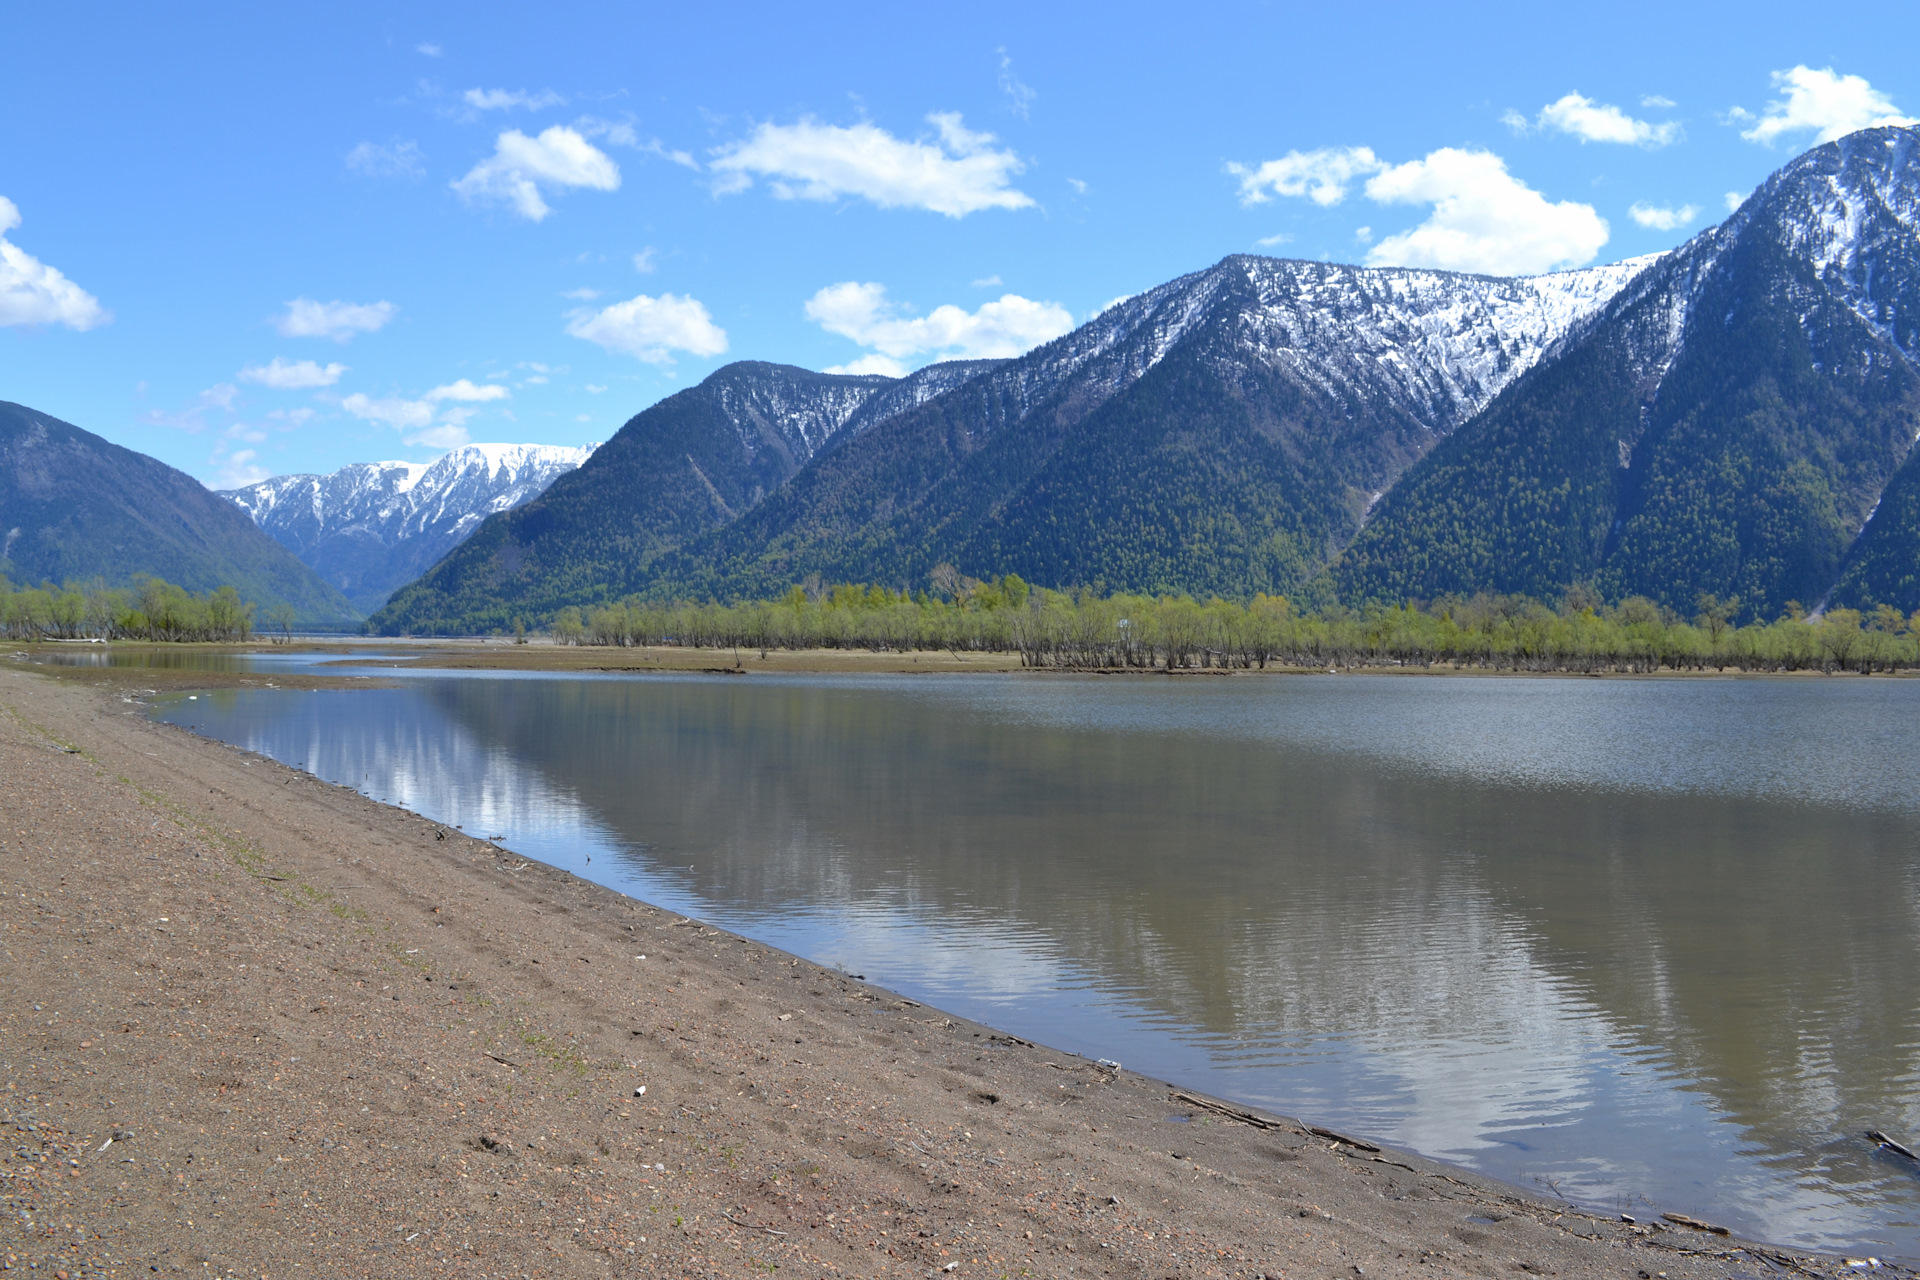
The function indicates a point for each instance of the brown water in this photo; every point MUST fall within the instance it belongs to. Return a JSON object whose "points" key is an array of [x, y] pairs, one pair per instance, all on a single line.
{"points": [[1654, 945]]}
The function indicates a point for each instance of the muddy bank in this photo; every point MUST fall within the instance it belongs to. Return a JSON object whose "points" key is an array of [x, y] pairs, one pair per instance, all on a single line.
{"points": [[260, 1025]]}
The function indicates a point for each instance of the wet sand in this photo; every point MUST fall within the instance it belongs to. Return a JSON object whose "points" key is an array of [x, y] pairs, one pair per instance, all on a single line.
{"points": [[258, 1025]]}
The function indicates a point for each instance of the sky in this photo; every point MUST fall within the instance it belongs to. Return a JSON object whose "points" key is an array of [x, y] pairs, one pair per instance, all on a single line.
{"points": [[254, 240]]}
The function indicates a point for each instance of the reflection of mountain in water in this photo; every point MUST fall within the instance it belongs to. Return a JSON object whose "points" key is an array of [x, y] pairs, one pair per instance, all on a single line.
{"points": [[1497, 950], [1698, 996]]}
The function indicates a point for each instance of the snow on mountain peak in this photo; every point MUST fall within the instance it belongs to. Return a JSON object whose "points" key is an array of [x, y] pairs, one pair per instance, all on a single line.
{"points": [[371, 526]]}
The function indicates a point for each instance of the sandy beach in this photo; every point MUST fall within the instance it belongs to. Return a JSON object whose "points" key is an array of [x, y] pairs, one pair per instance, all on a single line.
{"points": [[257, 1025]]}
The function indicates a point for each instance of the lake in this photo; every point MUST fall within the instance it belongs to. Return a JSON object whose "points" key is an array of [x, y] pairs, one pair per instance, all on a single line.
{"points": [[1646, 944]]}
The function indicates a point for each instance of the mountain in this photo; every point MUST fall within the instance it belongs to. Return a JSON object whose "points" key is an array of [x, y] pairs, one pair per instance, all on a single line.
{"points": [[374, 526], [1225, 431], [687, 465], [1739, 421], [1735, 417], [74, 506]]}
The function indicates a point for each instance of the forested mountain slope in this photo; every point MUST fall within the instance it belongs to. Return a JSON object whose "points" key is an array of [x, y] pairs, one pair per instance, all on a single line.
{"points": [[692, 462], [1225, 431], [1727, 425], [74, 507]]}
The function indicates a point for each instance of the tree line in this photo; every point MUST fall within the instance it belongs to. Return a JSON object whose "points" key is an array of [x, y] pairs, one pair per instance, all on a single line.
{"points": [[151, 609], [1087, 629]]}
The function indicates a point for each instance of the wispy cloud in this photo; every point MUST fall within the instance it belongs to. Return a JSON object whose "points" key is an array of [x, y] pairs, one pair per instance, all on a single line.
{"points": [[1019, 95], [1662, 218], [388, 160], [1323, 176], [306, 318], [220, 395], [292, 375], [465, 390], [956, 172], [511, 99], [430, 50], [1581, 117]]}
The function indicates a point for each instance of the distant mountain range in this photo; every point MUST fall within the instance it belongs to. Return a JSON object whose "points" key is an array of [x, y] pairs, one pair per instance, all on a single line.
{"points": [[374, 526], [75, 507], [1736, 417], [1224, 432]]}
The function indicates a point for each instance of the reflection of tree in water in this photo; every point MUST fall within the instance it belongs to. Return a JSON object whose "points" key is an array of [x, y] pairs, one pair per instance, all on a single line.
{"points": [[1761, 953]]}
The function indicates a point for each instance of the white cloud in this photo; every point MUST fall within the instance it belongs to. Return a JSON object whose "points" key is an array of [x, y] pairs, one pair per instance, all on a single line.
{"points": [[31, 292], [1273, 241], [1733, 200], [1829, 104], [986, 282], [652, 329], [239, 469], [1483, 220], [448, 435], [393, 411], [1079, 187], [595, 388], [959, 174], [520, 168], [1363, 234], [468, 391], [294, 375], [1110, 305], [508, 99], [621, 133], [644, 263], [1008, 326], [1019, 96], [1660, 218], [338, 320], [393, 160], [871, 363], [431, 50], [1592, 121], [1322, 175], [582, 294], [1657, 101], [220, 395]]}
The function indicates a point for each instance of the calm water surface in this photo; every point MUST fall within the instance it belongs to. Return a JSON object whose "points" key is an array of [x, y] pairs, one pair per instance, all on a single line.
{"points": [[1650, 944]]}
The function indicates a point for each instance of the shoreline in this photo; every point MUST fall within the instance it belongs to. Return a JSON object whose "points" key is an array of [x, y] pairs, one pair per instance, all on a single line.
{"points": [[543, 656], [344, 1040]]}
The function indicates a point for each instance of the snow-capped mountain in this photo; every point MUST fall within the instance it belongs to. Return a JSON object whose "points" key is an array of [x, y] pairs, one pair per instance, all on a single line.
{"points": [[1739, 421], [373, 526], [1342, 377]]}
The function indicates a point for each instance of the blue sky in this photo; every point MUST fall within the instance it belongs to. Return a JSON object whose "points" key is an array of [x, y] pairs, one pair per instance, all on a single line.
{"points": [[254, 240]]}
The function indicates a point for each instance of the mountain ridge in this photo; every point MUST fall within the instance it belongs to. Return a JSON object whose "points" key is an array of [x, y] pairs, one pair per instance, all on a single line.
{"points": [[74, 506], [1424, 348], [370, 527]]}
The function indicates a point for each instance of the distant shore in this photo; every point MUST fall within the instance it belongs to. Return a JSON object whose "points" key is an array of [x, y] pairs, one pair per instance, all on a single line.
{"points": [[327, 1033], [542, 655]]}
